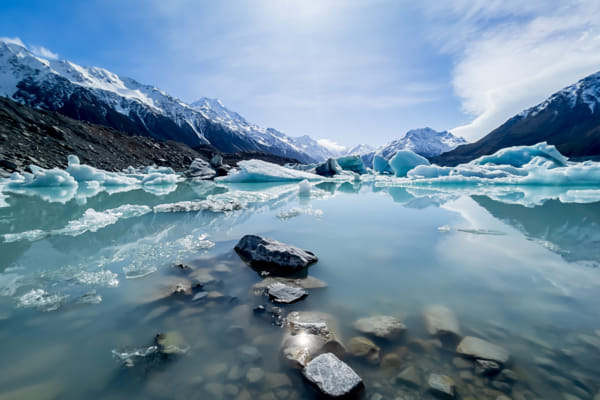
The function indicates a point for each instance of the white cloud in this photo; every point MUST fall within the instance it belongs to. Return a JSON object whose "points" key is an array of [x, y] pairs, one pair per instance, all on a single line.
{"points": [[43, 52], [14, 40], [40, 51], [511, 55], [331, 145]]}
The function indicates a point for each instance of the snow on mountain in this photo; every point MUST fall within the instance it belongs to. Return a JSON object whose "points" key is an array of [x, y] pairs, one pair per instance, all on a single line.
{"points": [[425, 141], [361, 149], [99, 96], [569, 119]]}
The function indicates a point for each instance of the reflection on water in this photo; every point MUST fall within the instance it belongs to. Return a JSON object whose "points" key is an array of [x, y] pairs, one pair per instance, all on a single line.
{"points": [[512, 267]]}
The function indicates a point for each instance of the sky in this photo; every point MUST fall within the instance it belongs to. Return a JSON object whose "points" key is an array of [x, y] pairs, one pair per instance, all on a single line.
{"points": [[349, 71]]}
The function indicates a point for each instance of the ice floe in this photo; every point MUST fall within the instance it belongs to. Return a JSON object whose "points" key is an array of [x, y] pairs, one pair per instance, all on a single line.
{"points": [[297, 211], [262, 171]]}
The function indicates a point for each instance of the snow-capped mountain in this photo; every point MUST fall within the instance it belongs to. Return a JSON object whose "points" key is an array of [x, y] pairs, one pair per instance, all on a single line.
{"points": [[361, 149], [99, 96], [568, 119], [425, 141]]}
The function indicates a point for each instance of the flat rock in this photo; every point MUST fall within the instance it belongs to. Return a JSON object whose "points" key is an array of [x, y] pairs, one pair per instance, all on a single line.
{"points": [[281, 258], [360, 346], [255, 375], [409, 376], [282, 293], [478, 348], [381, 326], [309, 282], [441, 321], [441, 385], [332, 376]]}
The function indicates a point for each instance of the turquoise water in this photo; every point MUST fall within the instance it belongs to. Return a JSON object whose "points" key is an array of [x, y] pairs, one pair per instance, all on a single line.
{"points": [[525, 277]]}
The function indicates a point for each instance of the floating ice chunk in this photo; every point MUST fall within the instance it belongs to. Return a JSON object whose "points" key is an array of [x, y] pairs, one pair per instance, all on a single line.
{"points": [[482, 232], [304, 188], [161, 170], [90, 298], [262, 171], [191, 243], [200, 205], [444, 228], [40, 177], [157, 178], [352, 163], [83, 172], [580, 196], [3, 197], [93, 220], [99, 278], [128, 357], [32, 236], [518, 156], [404, 161], [381, 165], [297, 211], [41, 299], [138, 271]]}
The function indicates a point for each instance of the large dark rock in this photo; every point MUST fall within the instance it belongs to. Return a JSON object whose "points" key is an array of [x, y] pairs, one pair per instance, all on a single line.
{"points": [[280, 258], [333, 377]]}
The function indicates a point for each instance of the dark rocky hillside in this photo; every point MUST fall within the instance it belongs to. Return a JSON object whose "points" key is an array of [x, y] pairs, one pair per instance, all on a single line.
{"points": [[32, 136]]}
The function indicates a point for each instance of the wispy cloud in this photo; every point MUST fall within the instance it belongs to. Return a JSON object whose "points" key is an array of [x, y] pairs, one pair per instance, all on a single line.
{"points": [[511, 55], [43, 52], [37, 50]]}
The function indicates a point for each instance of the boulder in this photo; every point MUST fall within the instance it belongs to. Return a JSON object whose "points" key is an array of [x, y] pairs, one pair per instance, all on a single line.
{"points": [[333, 377], [278, 257], [441, 385], [474, 347], [309, 333], [328, 168], [409, 376], [362, 347], [440, 321], [380, 326], [282, 293]]}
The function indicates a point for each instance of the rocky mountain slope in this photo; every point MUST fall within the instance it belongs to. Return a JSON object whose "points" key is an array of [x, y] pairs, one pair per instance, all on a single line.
{"points": [[569, 119], [32, 136], [101, 97]]}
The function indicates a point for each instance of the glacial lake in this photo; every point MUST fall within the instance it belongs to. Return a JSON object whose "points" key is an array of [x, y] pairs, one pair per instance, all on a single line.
{"points": [[83, 289]]}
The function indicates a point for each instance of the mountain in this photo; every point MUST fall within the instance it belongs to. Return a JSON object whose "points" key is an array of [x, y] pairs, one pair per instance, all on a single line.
{"points": [[361, 149], [45, 138], [101, 97], [425, 141], [568, 119]]}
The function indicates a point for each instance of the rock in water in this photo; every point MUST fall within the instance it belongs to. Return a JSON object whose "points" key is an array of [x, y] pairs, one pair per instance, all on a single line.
{"points": [[440, 321], [381, 326], [481, 349], [441, 385], [363, 347], [328, 168], [309, 334], [409, 376], [333, 377], [280, 257], [282, 293]]}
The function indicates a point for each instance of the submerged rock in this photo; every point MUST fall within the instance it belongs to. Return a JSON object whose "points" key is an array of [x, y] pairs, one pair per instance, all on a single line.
{"points": [[308, 282], [332, 376], [255, 375], [440, 321], [478, 348], [381, 326], [280, 257], [486, 367], [441, 385], [171, 343], [282, 293], [309, 334], [409, 376], [360, 346]]}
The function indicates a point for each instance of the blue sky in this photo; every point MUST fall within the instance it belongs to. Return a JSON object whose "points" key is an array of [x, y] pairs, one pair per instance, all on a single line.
{"points": [[352, 71]]}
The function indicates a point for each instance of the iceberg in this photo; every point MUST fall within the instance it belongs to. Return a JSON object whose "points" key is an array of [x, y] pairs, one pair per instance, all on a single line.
{"points": [[352, 163], [41, 177], [381, 165], [518, 156], [262, 171], [304, 188], [404, 161]]}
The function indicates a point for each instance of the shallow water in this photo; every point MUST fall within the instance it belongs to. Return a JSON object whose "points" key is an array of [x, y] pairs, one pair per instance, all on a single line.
{"points": [[78, 285]]}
